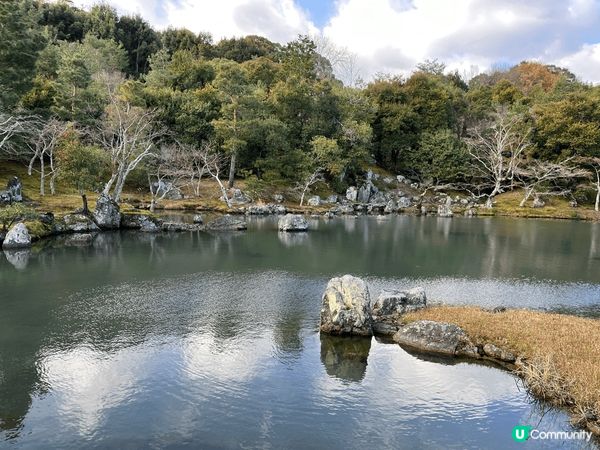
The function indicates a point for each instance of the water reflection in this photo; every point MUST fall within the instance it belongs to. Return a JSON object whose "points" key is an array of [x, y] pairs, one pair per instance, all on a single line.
{"points": [[139, 333], [345, 357], [18, 258]]}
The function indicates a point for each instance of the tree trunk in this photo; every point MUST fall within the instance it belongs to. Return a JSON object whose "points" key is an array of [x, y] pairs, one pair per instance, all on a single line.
{"points": [[597, 204], [42, 177], [528, 193], [232, 170], [86, 209], [152, 204]]}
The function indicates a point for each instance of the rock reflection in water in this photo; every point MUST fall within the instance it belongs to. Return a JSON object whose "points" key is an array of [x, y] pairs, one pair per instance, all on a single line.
{"points": [[345, 357], [18, 258], [292, 239]]}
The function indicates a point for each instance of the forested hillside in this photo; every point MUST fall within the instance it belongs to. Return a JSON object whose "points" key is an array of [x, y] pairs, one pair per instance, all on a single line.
{"points": [[104, 102]]}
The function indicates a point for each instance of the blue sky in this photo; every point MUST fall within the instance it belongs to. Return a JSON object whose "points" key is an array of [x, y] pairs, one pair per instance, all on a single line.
{"points": [[392, 36], [319, 11]]}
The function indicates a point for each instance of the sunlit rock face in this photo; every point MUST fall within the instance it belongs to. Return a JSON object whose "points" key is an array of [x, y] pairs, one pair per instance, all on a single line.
{"points": [[107, 213], [346, 307], [17, 237], [437, 337], [292, 222]]}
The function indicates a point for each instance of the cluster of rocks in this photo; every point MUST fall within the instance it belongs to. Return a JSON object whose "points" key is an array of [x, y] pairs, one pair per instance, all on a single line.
{"points": [[347, 310], [13, 192]]}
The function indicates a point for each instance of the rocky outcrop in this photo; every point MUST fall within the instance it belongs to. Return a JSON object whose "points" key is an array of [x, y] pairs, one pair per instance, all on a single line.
{"points": [[17, 237], [494, 352], [342, 210], [315, 200], [438, 337], [77, 223], [237, 197], [107, 213], [227, 223], [142, 222], [178, 227], [352, 194], [198, 219], [404, 202], [390, 305], [346, 307], [445, 210], [293, 222], [266, 210], [13, 192]]}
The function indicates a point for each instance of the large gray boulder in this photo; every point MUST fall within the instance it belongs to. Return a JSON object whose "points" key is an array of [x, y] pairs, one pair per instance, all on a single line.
{"points": [[17, 237], [292, 222], [352, 193], [227, 223], [237, 197], [346, 307], [107, 213], [403, 202], [437, 337], [392, 304], [78, 223], [366, 191]]}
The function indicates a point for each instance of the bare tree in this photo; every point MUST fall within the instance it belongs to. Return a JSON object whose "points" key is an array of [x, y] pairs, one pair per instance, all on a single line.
{"points": [[540, 177], [43, 148], [593, 162], [213, 163], [314, 177], [343, 62], [166, 172], [497, 150], [128, 133], [13, 126]]}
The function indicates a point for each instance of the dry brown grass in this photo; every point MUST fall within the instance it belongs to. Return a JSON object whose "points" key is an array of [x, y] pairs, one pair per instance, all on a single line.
{"points": [[560, 353], [507, 204]]}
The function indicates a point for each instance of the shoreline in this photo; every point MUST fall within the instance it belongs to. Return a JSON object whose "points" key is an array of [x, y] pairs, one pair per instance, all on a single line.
{"points": [[565, 377]]}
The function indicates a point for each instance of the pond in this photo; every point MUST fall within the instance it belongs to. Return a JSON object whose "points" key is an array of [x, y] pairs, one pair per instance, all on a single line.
{"points": [[199, 340]]}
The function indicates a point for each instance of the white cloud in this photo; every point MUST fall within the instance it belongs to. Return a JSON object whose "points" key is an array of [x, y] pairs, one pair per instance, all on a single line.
{"points": [[278, 20], [465, 33], [584, 63], [394, 35]]}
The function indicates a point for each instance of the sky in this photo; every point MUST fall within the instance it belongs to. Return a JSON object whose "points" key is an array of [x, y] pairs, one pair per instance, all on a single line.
{"points": [[392, 36]]}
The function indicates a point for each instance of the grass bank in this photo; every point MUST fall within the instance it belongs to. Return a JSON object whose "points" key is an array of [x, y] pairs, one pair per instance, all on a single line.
{"points": [[559, 355]]}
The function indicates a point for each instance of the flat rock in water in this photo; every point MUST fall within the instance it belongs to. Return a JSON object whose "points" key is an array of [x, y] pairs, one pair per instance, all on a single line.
{"points": [[228, 223], [437, 337], [293, 222], [17, 237], [346, 307]]}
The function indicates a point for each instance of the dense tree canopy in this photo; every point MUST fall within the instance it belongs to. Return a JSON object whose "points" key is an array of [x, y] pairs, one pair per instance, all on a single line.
{"points": [[277, 112]]}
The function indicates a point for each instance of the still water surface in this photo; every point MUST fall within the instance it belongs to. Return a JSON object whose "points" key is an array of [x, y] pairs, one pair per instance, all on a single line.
{"points": [[210, 341]]}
